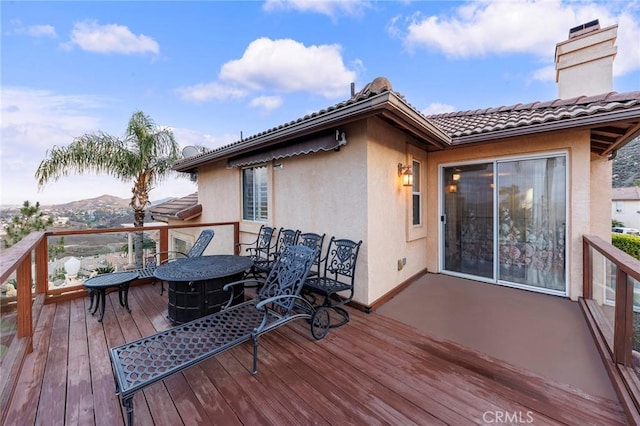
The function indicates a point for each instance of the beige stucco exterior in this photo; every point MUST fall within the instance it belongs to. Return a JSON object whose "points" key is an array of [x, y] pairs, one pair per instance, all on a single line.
{"points": [[356, 193]]}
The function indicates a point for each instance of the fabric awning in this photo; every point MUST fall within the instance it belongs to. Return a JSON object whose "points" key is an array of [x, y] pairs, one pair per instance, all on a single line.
{"points": [[327, 142]]}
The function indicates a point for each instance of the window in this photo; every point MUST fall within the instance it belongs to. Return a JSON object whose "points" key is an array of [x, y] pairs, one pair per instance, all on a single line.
{"points": [[254, 194], [416, 195]]}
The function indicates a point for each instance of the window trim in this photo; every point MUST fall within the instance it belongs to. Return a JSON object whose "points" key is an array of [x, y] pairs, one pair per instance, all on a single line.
{"points": [[417, 181], [255, 218]]}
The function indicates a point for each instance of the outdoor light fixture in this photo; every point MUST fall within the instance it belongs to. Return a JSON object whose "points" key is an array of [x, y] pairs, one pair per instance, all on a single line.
{"points": [[406, 173]]}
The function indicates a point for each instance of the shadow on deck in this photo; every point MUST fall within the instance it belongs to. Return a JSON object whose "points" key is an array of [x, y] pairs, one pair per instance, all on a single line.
{"points": [[374, 370]]}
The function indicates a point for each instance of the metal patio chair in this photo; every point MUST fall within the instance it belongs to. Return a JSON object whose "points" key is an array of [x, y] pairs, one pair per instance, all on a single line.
{"points": [[141, 363], [284, 239], [335, 282], [259, 250]]}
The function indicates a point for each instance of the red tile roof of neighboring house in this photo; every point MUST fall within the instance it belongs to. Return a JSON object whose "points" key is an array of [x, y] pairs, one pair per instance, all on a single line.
{"points": [[184, 208], [626, 194]]}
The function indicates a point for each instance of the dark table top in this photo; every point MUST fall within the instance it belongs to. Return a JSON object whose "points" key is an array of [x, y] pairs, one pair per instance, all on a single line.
{"points": [[108, 280], [202, 268]]}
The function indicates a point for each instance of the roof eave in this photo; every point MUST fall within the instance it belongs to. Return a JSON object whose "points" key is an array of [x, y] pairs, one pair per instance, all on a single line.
{"points": [[387, 104]]}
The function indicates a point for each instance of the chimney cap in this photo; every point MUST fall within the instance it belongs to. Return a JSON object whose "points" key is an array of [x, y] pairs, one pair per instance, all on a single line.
{"points": [[584, 28]]}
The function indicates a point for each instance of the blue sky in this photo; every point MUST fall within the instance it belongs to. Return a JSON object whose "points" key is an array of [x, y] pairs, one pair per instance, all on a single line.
{"points": [[211, 70]]}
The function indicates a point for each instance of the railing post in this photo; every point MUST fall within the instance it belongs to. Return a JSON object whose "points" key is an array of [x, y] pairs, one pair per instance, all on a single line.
{"points": [[623, 325], [42, 266], [164, 244], [24, 320], [236, 238], [587, 270]]}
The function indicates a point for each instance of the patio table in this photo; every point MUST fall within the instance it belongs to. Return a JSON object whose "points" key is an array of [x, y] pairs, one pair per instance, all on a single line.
{"points": [[98, 285], [195, 284]]}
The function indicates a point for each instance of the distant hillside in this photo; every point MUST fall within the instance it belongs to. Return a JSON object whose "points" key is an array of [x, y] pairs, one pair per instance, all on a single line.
{"points": [[626, 165], [102, 202]]}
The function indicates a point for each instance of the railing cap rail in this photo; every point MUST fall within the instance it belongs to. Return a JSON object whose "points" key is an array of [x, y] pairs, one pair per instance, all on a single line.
{"points": [[15, 254], [623, 261]]}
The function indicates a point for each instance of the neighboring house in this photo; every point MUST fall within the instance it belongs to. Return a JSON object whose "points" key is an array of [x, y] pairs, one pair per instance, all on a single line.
{"points": [[500, 195], [625, 206]]}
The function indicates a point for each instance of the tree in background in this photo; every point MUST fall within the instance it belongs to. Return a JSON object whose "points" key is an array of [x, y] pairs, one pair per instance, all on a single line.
{"points": [[144, 155], [28, 220]]}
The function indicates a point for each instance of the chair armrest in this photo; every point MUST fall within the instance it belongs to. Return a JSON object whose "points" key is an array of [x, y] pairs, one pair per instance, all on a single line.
{"points": [[157, 255], [232, 286], [257, 282], [262, 306]]}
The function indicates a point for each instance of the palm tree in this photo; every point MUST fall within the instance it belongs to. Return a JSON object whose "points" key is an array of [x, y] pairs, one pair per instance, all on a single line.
{"points": [[145, 155]]}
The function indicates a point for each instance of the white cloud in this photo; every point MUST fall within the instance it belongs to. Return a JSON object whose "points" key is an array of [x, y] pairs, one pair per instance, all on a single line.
{"points": [[483, 28], [267, 103], [438, 108], [42, 30], [110, 38], [331, 8], [206, 91], [188, 137], [33, 121], [285, 66]]}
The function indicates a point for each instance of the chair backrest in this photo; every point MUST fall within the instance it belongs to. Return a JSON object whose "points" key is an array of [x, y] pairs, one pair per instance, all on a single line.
{"points": [[340, 260], [288, 275], [313, 241], [263, 242], [286, 237], [201, 243]]}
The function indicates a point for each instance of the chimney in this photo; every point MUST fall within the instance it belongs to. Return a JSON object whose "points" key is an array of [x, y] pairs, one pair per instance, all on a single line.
{"points": [[584, 62]]}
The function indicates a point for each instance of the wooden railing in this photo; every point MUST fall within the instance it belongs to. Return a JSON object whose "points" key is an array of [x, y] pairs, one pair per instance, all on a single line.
{"points": [[31, 255], [609, 279]]}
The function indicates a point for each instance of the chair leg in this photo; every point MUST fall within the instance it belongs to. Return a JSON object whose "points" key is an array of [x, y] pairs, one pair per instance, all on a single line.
{"points": [[128, 405], [255, 355]]}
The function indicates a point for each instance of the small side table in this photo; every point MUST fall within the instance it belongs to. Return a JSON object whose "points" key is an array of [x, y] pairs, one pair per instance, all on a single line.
{"points": [[98, 285]]}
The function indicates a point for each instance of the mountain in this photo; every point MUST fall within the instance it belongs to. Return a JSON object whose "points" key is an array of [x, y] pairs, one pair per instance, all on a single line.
{"points": [[626, 165], [103, 202]]}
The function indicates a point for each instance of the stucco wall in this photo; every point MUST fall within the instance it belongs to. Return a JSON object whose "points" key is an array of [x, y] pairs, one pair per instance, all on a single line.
{"points": [[581, 191], [392, 237], [323, 192]]}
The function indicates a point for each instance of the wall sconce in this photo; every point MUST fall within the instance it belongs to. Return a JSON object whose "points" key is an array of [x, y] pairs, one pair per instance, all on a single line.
{"points": [[453, 187], [406, 173]]}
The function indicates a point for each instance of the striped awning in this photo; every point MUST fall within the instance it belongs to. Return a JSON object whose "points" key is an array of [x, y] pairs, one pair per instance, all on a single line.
{"points": [[327, 142]]}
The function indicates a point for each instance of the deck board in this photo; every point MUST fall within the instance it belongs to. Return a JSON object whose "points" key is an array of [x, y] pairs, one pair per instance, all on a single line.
{"points": [[374, 371]]}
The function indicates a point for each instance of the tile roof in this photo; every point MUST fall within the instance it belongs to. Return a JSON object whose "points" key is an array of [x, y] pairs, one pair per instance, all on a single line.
{"points": [[458, 127], [481, 121], [184, 208], [626, 194]]}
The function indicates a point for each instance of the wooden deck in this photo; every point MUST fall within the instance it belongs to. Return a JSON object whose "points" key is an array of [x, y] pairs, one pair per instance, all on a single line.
{"points": [[371, 371]]}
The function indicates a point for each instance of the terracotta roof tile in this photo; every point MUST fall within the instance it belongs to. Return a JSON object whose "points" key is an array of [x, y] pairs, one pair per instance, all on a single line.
{"points": [[465, 123]]}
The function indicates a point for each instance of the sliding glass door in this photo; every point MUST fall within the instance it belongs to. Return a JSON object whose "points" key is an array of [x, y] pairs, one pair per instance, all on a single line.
{"points": [[505, 221], [468, 219]]}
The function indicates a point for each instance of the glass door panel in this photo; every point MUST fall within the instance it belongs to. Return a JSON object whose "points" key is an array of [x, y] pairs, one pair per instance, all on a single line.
{"points": [[468, 219], [532, 220]]}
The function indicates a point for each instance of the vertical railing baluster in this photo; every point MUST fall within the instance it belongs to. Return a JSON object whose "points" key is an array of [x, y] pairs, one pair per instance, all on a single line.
{"points": [[587, 270], [623, 326], [42, 265], [164, 244], [24, 320]]}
